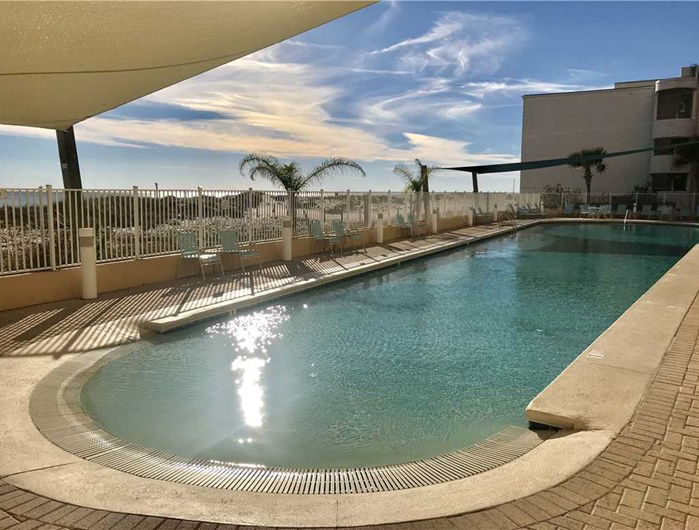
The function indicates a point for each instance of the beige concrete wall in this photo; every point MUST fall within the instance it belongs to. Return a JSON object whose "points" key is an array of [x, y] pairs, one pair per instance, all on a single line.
{"points": [[555, 125], [22, 290]]}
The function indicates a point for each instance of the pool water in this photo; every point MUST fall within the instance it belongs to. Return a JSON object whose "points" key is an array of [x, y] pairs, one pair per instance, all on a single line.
{"points": [[392, 366]]}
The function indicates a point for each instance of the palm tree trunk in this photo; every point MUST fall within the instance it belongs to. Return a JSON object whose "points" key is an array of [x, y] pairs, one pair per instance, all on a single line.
{"points": [[588, 182]]}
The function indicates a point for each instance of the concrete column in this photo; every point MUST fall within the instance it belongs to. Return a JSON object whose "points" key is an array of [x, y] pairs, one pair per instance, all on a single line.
{"points": [[433, 220], [286, 239], [379, 228], [88, 263], [470, 217]]}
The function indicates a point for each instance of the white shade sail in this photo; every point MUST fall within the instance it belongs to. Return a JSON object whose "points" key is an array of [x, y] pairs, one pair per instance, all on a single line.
{"points": [[63, 62]]}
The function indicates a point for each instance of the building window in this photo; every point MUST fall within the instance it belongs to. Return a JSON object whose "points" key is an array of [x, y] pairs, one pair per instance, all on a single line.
{"points": [[675, 103], [665, 146], [669, 181]]}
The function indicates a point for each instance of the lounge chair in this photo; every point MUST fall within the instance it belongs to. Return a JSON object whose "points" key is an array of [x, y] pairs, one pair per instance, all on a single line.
{"points": [[188, 244], [318, 234], [568, 209], [342, 233], [230, 244], [416, 226], [584, 210], [535, 211], [620, 210]]}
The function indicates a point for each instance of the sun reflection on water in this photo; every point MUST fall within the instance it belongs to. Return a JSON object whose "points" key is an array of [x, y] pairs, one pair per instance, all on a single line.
{"points": [[250, 336]]}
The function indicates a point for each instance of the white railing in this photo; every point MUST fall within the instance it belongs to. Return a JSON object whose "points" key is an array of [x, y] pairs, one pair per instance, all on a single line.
{"points": [[38, 226]]}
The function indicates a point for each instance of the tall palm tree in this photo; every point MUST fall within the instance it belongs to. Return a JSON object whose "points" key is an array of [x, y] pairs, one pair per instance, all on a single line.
{"points": [[688, 155], [417, 179], [290, 176], [588, 166]]}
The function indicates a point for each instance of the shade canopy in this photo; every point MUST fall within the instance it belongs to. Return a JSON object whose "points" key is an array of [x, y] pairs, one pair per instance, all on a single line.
{"points": [[63, 62]]}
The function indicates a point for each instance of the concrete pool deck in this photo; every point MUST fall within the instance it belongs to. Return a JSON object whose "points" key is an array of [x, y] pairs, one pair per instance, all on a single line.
{"points": [[645, 476]]}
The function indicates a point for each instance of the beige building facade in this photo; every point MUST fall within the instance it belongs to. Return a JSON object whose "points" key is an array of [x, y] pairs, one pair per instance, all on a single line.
{"points": [[632, 115]]}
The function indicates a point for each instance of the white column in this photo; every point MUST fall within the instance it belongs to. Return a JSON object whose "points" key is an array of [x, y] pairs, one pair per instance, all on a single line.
{"points": [[88, 263], [379, 228], [286, 239], [433, 220]]}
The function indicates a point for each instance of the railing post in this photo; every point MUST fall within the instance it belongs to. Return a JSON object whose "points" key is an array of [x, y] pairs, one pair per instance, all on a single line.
{"points": [[136, 224], [322, 208], [200, 215], [88, 263], [349, 206], [52, 232], [286, 238], [250, 229], [367, 210], [388, 207]]}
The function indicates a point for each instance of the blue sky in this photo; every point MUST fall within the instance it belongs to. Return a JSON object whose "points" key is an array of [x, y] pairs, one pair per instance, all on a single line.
{"points": [[437, 80]]}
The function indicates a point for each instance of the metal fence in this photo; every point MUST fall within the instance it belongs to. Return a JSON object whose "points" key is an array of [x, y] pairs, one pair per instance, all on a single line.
{"points": [[38, 226], [680, 201]]}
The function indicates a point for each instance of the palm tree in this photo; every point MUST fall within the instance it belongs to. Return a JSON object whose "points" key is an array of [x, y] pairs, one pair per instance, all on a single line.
{"points": [[417, 180], [290, 176], [688, 155], [588, 166]]}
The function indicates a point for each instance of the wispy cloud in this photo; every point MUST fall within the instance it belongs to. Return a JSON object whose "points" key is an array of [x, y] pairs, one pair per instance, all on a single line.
{"points": [[481, 89], [460, 42]]}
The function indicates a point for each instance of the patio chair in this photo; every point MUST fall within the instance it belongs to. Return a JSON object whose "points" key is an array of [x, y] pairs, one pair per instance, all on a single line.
{"points": [[416, 226], [318, 234], [568, 209], [584, 210], [401, 223], [342, 233], [230, 244], [665, 211], [620, 210], [188, 244], [648, 211], [684, 214], [604, 211]]}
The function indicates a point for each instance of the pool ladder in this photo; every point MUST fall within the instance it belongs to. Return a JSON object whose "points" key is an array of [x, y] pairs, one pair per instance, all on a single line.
{"points": [[507, 216]]}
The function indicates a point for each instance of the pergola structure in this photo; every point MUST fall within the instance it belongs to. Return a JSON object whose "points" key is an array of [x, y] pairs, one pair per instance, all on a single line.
{"points": [[64, 62]]}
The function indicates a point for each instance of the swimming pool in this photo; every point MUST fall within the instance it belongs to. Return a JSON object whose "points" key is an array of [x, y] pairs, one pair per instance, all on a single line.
{"points": [[392, 366]]}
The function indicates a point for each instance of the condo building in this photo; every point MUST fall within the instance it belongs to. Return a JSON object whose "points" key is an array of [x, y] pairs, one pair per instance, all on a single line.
{"points": [[655, 113]]}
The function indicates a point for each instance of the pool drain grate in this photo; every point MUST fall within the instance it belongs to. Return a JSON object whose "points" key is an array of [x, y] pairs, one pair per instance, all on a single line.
{"points": [[56, 411]]}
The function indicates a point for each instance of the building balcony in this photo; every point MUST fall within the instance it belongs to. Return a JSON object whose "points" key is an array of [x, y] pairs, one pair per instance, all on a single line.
{"points": [[662, 164], [679, 82], [685, 127]]}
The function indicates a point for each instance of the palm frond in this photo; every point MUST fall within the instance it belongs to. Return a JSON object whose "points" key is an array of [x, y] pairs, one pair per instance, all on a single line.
{"points": [[329, 167]]}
